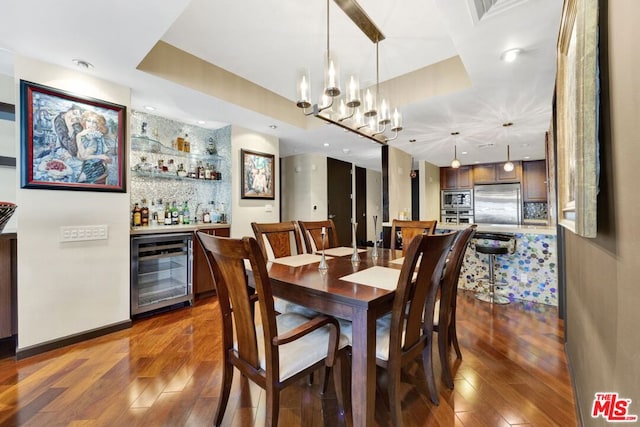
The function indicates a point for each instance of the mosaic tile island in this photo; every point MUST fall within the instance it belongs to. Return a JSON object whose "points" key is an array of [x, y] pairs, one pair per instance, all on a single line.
{"points": [[529, 274]]}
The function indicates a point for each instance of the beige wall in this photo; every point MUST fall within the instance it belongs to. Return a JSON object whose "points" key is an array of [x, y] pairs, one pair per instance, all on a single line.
{"points": [[374, 203], [246, 211], [399, 182], [603, 285], [8, 148], [69, 288], [304, 187], [429, 191]]}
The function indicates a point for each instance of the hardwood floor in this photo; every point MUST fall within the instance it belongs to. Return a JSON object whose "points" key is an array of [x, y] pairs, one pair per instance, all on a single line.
{"points": [[165, 371]]}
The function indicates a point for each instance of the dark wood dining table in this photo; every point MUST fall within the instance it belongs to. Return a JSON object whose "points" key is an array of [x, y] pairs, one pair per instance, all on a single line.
{"points": [[325, 292]]}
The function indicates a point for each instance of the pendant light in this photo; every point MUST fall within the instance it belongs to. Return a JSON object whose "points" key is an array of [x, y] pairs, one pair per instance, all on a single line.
{"points": [[455, 163], [508, 167]]}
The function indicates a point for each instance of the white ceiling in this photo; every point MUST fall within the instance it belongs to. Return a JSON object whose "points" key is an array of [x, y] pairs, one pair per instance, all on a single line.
{"points": [[268, 42]]}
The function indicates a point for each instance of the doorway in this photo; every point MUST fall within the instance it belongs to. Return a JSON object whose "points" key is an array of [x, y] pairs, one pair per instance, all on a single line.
{"points": [[339, 190]]}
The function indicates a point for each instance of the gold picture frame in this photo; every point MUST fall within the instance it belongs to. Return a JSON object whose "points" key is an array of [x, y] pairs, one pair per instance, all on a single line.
{"points": [[577, 116]]}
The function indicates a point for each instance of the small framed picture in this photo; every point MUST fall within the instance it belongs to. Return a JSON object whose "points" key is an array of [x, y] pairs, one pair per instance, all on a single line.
{"points": [[258, 178], [70, 142]]}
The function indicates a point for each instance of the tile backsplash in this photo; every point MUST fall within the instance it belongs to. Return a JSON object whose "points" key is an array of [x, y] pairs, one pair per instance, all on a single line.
{"points": [[535, 210], [154, 138]]}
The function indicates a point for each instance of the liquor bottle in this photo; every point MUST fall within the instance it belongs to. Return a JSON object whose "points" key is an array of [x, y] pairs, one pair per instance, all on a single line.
{"points": [[206, 218], [160, 213], [167, 214], [186, 214], [174, 214], [144, 213], [137, 216], [200, 170]]}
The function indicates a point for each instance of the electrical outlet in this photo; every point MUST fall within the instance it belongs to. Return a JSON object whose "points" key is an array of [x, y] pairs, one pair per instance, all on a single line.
{"points": [[84, 232]]}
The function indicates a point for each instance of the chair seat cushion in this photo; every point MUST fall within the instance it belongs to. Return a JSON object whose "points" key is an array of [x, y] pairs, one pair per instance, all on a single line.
{"points": [[301, 353], [499, 250], [284, 306], [383, 326]]}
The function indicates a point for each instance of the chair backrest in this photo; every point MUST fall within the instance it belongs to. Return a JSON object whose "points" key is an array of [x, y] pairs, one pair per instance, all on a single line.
{"points": [[408, 230], [449, 285], [278, 239], [312, 234], [426, 256], [226, 258]]}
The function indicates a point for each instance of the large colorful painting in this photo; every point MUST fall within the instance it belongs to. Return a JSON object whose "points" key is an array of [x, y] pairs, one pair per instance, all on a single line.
{"points": [[70, 142], [258, 180]]}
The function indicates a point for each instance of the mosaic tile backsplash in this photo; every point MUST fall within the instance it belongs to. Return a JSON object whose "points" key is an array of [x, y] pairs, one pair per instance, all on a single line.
{"points": [[529, 274], [153, 138], [535, 210]]}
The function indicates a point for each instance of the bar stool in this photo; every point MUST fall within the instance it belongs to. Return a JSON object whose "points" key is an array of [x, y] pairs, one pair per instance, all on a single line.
{"points": [[492, 251]]}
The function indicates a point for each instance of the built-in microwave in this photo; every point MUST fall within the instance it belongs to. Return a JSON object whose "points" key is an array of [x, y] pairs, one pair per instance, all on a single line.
{"points": [[457, 199]]}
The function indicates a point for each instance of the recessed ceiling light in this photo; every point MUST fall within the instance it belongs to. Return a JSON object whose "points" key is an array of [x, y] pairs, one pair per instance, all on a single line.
{"points": [[510, 55], [345, 150], [201, 122], [150, 108], [464, 152], [455, 133], [326, 144], [273, 126], [507, 124], [412, 140], [527, 157], [81, 63]]}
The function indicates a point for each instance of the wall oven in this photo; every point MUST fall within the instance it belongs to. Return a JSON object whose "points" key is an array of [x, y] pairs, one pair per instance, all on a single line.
{"points": [[456, 216], [457, 199], [161, 271]]}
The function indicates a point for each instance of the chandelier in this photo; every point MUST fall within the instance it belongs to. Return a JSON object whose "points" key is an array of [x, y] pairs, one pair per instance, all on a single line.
{"points": [[365, 113]]}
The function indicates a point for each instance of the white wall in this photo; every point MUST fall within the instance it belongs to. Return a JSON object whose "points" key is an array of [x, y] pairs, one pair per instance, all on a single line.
{"points": [[429, 191], [399, 182], [374, 203], [246, 211], [304, 187], [8, 149], [69, 288]]}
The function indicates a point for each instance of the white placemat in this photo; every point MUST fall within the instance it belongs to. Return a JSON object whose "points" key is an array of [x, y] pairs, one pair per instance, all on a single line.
{"points": [[378, 277], [340, 251], [298, 260], [397, 261]]}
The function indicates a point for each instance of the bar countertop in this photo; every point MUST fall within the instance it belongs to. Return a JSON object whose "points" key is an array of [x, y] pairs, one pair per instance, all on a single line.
{"points": [[157, 229], [504, 228]]}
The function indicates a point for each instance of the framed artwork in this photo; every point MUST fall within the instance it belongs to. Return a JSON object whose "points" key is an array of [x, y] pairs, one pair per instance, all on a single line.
{"points": [[258, 178], [70, 142], [577, 116]]}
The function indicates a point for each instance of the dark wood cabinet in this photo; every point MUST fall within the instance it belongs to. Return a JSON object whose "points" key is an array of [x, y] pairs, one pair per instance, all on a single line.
{"points": [[202, 280], [8, 282], [494, 173], [509, 176], [484, 174], [534, 184], [451, 179]]}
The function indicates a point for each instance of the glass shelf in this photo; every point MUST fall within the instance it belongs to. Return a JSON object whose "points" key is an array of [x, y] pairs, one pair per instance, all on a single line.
{"points": [[168, 175], [144, 143]]}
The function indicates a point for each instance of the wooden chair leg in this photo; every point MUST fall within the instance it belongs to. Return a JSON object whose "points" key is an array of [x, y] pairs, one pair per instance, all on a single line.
{"points": [[395, 403], [427, 364], [227, 379], [443, 351], [272, 406], [453, 338]]}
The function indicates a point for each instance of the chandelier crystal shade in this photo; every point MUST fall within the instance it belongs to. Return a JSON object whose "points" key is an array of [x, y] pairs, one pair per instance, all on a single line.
{"points": [[363, 112]]}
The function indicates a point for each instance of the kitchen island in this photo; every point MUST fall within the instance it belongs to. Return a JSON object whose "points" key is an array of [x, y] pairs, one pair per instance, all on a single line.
{"points": [[529, 274]]}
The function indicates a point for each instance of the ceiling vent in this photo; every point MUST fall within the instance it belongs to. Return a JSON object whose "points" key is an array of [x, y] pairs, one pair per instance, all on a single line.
{"points": [[487, 145], [482, 9]]}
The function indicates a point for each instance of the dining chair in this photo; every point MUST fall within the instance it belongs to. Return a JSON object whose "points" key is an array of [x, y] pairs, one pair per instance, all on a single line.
{"points": [[403, 336], [280, 349], [445, 307], [407, 230], [277, 240], [312, 235]]}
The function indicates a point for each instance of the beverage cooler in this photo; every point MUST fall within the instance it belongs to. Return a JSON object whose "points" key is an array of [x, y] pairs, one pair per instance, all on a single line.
{"points": [[161, 271]]}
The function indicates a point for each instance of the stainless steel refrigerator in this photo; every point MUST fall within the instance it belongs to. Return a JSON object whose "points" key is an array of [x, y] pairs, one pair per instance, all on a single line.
{"points": [[497, 204]]}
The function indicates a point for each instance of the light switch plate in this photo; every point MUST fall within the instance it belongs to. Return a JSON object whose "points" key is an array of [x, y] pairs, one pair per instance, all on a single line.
{"points": [[76, 233]]}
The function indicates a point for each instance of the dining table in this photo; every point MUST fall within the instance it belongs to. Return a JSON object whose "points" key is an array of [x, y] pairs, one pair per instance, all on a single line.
{"points": [[357, 288]]}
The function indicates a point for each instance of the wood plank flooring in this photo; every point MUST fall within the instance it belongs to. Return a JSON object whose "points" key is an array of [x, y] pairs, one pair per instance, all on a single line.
{"points": [[165, 371]]}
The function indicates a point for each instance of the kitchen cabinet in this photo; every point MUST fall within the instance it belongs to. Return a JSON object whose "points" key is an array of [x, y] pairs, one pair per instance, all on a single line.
{"points": [[493, 173], [202, 280], [8, 282], [534, 183], [451, 179]]}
